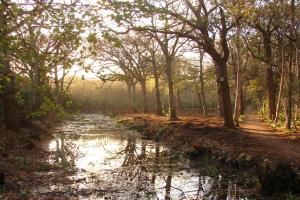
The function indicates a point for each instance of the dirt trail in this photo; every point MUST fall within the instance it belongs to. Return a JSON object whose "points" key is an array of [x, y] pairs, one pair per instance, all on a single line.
{"points": [[255, 137], [284, 145]]}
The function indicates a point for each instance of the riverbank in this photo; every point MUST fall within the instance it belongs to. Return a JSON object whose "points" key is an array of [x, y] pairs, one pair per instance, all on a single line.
{"points": [[275, 159], [24, 160]]}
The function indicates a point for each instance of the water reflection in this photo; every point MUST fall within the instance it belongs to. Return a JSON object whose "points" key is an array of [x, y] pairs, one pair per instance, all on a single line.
{"points": [[123, 166]]}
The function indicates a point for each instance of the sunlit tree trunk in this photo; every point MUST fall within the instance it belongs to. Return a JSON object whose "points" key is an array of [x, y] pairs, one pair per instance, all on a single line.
{"points": [[224, 93], [172, 104], [237, 104], [280, 84]]}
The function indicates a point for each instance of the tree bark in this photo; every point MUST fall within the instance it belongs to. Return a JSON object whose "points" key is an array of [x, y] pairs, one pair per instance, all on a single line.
{"points": [[225, 93], [178, 100], [220, 103], [11, 113], [237, 104], [200, 99], [271, 86], [129, 93], [172, 104], [202, 96], [144, 96], [36, 88], [289, 106], [242, 106], [134, 97], [159, 110], [293, 34], [280, 86], [297, 65]]}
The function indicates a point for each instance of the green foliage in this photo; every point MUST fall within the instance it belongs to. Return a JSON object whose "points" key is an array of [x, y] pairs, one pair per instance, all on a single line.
{"points": [[255, 91], [48, 106]]}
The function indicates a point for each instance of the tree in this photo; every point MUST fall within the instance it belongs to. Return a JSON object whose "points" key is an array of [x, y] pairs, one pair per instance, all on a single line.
{"points": [[266, 21], [155, 59]]}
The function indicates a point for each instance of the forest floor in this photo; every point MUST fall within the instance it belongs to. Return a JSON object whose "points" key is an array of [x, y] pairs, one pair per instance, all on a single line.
{"points": [[24, 162], [282, 145], [254, 137]]}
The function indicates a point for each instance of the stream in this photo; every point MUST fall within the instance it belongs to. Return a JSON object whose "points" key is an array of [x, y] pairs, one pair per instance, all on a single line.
{"points": [[113, 162]]}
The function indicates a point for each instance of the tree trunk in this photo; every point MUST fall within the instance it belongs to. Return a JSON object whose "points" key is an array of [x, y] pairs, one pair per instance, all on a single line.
{"points": [[290, 69], [134, 109], [36, 97], [172, 104], [159, 110], [242, 106], [270, 80], [237, 104], [11, 114], [168, 187], [280, 87], [271, 94], [129, 93], [144, 96], [220, 103], [200, 99], [202, 96], [290, 91], [298, 75], [225, 93], [178, 100]]}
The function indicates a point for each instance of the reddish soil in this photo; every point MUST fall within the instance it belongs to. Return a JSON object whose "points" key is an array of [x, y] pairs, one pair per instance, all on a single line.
{"points": [[253, 138]]}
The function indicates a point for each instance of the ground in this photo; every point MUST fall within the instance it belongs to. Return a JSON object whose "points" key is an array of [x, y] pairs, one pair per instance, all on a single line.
{"points": [[283, 145], [24, 162], [22, 154], [254, 137]]}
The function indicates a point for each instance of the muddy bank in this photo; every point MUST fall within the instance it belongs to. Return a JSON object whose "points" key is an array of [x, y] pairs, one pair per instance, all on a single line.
{"points": [[276, 173], [23, 157]]}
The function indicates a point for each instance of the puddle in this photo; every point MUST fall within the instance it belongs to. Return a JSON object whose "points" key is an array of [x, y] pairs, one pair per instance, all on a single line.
{"points": [[113, 162]]}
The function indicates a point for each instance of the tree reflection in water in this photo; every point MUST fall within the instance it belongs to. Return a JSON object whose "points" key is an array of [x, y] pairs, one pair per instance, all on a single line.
{"points": [[132, 168], [149, 171]]}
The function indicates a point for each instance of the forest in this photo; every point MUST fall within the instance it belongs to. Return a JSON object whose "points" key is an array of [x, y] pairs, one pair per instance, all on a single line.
{"points": [[201, 81]]}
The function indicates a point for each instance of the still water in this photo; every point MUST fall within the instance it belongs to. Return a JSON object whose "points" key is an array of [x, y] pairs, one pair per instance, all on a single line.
{"points": [[113, 162]]}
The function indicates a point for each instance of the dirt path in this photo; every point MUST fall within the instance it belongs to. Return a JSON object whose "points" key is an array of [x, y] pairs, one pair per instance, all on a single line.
{"points": [[255, 138], [284, 145], [255, 124]]}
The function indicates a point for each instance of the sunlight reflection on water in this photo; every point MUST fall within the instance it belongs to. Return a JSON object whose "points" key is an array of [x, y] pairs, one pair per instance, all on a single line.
{"points": [[114, 163]]}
